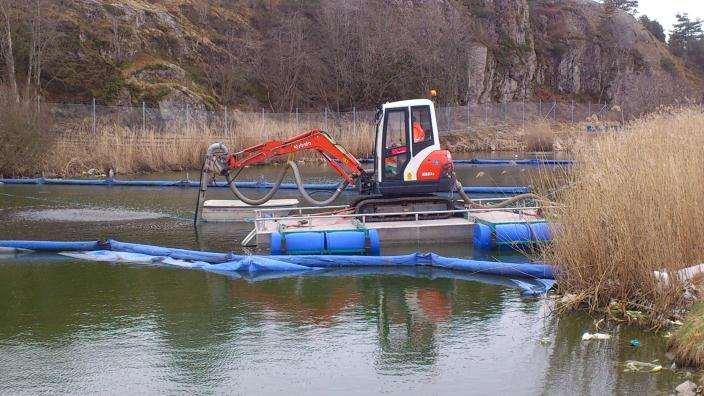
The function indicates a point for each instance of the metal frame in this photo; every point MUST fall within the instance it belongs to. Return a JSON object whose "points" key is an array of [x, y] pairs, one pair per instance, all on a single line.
{"points": [[260, 218]]}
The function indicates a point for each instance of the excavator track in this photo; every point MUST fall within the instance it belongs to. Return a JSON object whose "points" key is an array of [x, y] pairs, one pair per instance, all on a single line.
{"points": [[424, 203]]}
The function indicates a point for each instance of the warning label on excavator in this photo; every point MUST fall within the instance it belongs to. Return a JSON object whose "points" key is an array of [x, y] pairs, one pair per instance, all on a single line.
{"points": [[409, 176]]}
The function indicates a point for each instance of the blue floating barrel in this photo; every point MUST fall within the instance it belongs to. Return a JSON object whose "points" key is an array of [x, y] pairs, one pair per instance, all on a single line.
{"points": [[488, 237], [483, 237], [344, 242]]}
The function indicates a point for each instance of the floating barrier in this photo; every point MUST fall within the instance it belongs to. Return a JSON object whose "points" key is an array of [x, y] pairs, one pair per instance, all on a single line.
{"points": [[53, 246], [529, 162], [507, 161], [116, 251], [508, 190], [353, 242]]}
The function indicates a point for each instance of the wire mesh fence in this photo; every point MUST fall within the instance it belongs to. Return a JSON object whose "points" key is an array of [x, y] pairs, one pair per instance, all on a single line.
{"points": [[451, 119]]}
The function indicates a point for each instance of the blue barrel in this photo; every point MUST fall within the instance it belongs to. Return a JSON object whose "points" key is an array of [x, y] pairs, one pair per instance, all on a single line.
{"points": [[344, 242], [486, 237], [483, 237]]}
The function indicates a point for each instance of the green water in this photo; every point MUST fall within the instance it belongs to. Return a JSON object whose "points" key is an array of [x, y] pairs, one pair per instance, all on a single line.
{"points": [[71, 326]]}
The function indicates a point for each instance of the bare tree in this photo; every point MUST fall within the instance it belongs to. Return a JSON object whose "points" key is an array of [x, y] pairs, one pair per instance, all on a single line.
{"points": [[42, 31], [8, 53]]}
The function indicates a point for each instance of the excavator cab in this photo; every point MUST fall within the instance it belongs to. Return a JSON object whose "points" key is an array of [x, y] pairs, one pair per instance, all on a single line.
{"points": [[408, 159]]}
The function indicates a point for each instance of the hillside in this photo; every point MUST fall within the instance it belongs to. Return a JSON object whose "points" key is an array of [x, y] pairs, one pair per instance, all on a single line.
{"points": [[310, 54]]}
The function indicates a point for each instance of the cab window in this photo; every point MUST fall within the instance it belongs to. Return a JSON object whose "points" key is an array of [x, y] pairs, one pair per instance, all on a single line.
{"points": [[395, 129], [421, 127], [395, 142]]}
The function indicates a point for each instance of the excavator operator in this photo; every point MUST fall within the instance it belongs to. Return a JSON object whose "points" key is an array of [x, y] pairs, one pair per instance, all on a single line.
{"points": [[418, 131]]}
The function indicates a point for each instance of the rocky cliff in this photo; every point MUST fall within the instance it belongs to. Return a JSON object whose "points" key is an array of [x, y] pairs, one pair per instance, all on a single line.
{"points": [[171, 52]]}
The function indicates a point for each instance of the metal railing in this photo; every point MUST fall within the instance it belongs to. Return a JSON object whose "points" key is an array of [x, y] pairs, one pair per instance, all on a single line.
{"points": [[261, 217]]}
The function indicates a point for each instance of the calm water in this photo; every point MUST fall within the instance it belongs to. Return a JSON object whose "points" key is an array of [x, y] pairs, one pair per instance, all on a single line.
{"points": [[69, 326]]}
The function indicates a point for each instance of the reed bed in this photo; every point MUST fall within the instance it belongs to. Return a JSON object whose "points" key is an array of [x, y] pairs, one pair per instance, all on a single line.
{"points": [[687, 343], [634, 204], [182, 146]]}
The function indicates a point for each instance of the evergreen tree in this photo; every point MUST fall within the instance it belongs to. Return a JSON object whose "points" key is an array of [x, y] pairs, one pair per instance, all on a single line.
{"points": [[654, 27], [630, 6], [687, 40]]}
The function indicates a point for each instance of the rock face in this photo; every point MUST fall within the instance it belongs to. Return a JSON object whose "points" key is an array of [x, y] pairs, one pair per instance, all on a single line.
{"points": [[561, 48], [166, 52]]}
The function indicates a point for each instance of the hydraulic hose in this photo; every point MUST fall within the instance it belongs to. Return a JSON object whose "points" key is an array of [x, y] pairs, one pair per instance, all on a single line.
{"points": [[299, 182], [255, 201], [277, 184], [503, 204]]}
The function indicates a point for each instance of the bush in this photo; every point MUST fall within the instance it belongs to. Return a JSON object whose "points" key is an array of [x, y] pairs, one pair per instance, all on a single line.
{"points": [[25, 133]]}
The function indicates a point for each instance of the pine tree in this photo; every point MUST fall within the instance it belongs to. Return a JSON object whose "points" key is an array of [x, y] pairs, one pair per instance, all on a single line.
{"points": [[687, 40], [654, 27], [630, 6]]}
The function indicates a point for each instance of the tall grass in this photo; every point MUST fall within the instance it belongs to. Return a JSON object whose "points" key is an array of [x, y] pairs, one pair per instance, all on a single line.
{"points": [[128, 150], [538, 136], [635, 204], [24, 141]]}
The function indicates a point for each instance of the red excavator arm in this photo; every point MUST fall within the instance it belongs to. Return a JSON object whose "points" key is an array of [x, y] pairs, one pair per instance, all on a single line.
{"points": [[336, 156]]}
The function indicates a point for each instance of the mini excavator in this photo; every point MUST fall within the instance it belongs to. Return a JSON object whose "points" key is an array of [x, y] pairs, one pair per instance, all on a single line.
{"points": [[411, 172]]}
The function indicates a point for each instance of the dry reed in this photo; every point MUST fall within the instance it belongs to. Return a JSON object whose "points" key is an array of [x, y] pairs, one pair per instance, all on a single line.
{"points": [[538, 136], [635, 204], [128, 150], [687, 343]]}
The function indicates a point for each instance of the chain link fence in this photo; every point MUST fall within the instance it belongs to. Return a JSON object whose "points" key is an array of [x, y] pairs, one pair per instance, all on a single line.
{"points": [[451, 120]]}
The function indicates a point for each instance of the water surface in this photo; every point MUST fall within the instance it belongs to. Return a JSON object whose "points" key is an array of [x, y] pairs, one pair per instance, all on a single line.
{"points": [[71, 326]]}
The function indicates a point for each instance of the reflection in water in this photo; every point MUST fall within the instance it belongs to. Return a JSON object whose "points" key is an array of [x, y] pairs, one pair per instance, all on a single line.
{"points": [[75, 326], [597, 367]]}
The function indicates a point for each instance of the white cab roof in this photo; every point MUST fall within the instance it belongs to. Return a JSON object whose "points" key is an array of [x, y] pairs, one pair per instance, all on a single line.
{"points": [[407, 103]]}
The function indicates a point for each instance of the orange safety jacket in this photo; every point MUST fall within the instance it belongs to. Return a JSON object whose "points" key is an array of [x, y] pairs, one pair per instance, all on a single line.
{"points": [[418, 132]]}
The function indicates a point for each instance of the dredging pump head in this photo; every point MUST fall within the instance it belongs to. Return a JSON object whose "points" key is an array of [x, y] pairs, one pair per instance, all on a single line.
{"points": [[216, 158]]}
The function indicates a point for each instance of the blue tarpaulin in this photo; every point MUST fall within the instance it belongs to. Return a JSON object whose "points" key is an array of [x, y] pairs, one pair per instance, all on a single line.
{"points": [[531, 278]]}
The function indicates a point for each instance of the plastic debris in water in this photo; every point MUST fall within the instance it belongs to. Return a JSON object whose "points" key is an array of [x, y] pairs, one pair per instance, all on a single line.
{"points": [[638, 367], [545, 341], [635, 343], [686, 388], [595, 336], [635, 315]]}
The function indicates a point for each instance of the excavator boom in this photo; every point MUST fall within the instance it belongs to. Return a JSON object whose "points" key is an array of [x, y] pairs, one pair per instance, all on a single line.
{"points": [[344, 163]]}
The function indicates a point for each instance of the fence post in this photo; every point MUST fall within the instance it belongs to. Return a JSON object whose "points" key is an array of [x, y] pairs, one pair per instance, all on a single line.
{"points": [[354, 121], [226, 127], [325, 123], [523, 113], [554, 114], [589, 109], [297, 126], [540, 108], [572, 112], [448, 118], [262, 118], [188, 115], [469, 116], [94, 116], [144, 117], [486, 113]]}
